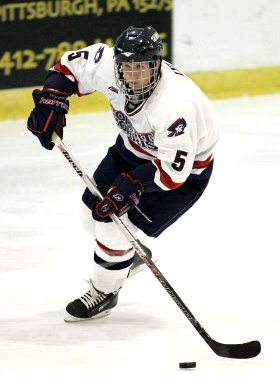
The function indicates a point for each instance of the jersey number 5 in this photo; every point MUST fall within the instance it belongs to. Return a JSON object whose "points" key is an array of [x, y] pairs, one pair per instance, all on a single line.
{"points": [[179, 161], [78, 54]]}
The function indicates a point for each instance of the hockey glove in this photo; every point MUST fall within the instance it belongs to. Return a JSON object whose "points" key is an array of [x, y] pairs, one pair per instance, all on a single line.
{"points": [[48, 115], [123, 196], [91, 201]]}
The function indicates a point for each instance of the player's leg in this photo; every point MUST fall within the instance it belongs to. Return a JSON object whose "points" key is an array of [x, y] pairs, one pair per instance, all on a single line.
{"points": [[112, 165], [89, 223], [113, 258]]}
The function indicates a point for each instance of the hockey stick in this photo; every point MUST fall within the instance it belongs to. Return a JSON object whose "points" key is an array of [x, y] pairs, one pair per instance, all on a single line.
{"points": [[242, 351]]}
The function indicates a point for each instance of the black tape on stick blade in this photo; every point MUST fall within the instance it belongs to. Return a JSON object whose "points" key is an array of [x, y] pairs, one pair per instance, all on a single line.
{"points": [[187, 365]]}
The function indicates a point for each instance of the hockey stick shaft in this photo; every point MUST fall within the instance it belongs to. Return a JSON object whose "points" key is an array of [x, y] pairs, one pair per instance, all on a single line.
{"points": [[246, 350]]}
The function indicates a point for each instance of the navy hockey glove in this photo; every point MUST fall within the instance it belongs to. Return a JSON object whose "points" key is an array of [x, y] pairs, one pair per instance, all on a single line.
{"points": [[48, 115], [123, 196], [91, 201]]}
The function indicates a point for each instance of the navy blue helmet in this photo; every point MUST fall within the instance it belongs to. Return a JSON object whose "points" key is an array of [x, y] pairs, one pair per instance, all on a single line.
{"points": [[138, 44], [142, 45]]}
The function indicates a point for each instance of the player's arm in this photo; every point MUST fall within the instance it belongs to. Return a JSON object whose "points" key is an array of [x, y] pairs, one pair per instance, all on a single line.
{"points": [[176, 149], [51, 104]]}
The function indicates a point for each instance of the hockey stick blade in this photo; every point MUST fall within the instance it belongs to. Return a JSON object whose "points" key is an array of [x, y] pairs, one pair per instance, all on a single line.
{"points": [[239, 351]]}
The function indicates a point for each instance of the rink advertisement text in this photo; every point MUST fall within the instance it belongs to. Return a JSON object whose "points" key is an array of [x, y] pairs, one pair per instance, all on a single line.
{"points": [[21, 11], [36, 34], [28, 59]]}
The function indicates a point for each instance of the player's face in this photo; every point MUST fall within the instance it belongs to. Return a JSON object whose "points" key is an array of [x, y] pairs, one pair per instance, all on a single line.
{"points": [[137, 74]]}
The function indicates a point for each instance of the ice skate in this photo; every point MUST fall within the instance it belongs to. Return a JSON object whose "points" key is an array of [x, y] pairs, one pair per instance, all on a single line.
{"points": [[92, 305], [95, 304], [138, 264]]}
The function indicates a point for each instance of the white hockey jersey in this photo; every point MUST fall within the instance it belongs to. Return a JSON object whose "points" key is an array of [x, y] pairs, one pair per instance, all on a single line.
{"points": [[174, 130]]}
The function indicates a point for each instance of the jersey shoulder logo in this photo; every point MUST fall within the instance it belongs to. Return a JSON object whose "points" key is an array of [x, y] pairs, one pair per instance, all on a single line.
{"points": [[177, 127], [98, 54]]}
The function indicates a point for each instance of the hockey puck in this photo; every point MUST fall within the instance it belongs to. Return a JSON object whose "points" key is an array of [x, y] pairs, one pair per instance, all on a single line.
{"points": [[187, 365]]}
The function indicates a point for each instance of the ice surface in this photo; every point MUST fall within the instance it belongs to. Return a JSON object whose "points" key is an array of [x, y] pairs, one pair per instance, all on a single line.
{"points": [[221, 258]]}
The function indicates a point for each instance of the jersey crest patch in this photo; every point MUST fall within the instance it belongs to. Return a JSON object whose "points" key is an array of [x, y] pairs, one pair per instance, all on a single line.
{"points": [[177, 128]]}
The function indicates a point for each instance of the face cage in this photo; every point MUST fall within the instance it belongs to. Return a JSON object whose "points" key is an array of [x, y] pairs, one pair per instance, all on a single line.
{"points": [[127, 86]]}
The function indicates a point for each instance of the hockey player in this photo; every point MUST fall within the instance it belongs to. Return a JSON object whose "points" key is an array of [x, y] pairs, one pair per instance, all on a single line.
{"points": [[160, 163]]}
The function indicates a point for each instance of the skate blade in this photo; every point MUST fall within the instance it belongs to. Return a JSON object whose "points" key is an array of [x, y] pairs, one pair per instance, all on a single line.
{"points": [[73, 319], [139, 269]]}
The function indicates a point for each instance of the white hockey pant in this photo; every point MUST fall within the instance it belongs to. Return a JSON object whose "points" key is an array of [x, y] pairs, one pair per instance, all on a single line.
{"points": [[113, 253]]}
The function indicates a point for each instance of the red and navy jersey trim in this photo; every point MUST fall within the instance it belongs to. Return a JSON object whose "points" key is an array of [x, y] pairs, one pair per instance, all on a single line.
{"points": [[199, 164], [65, 71], [165, 179]]}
